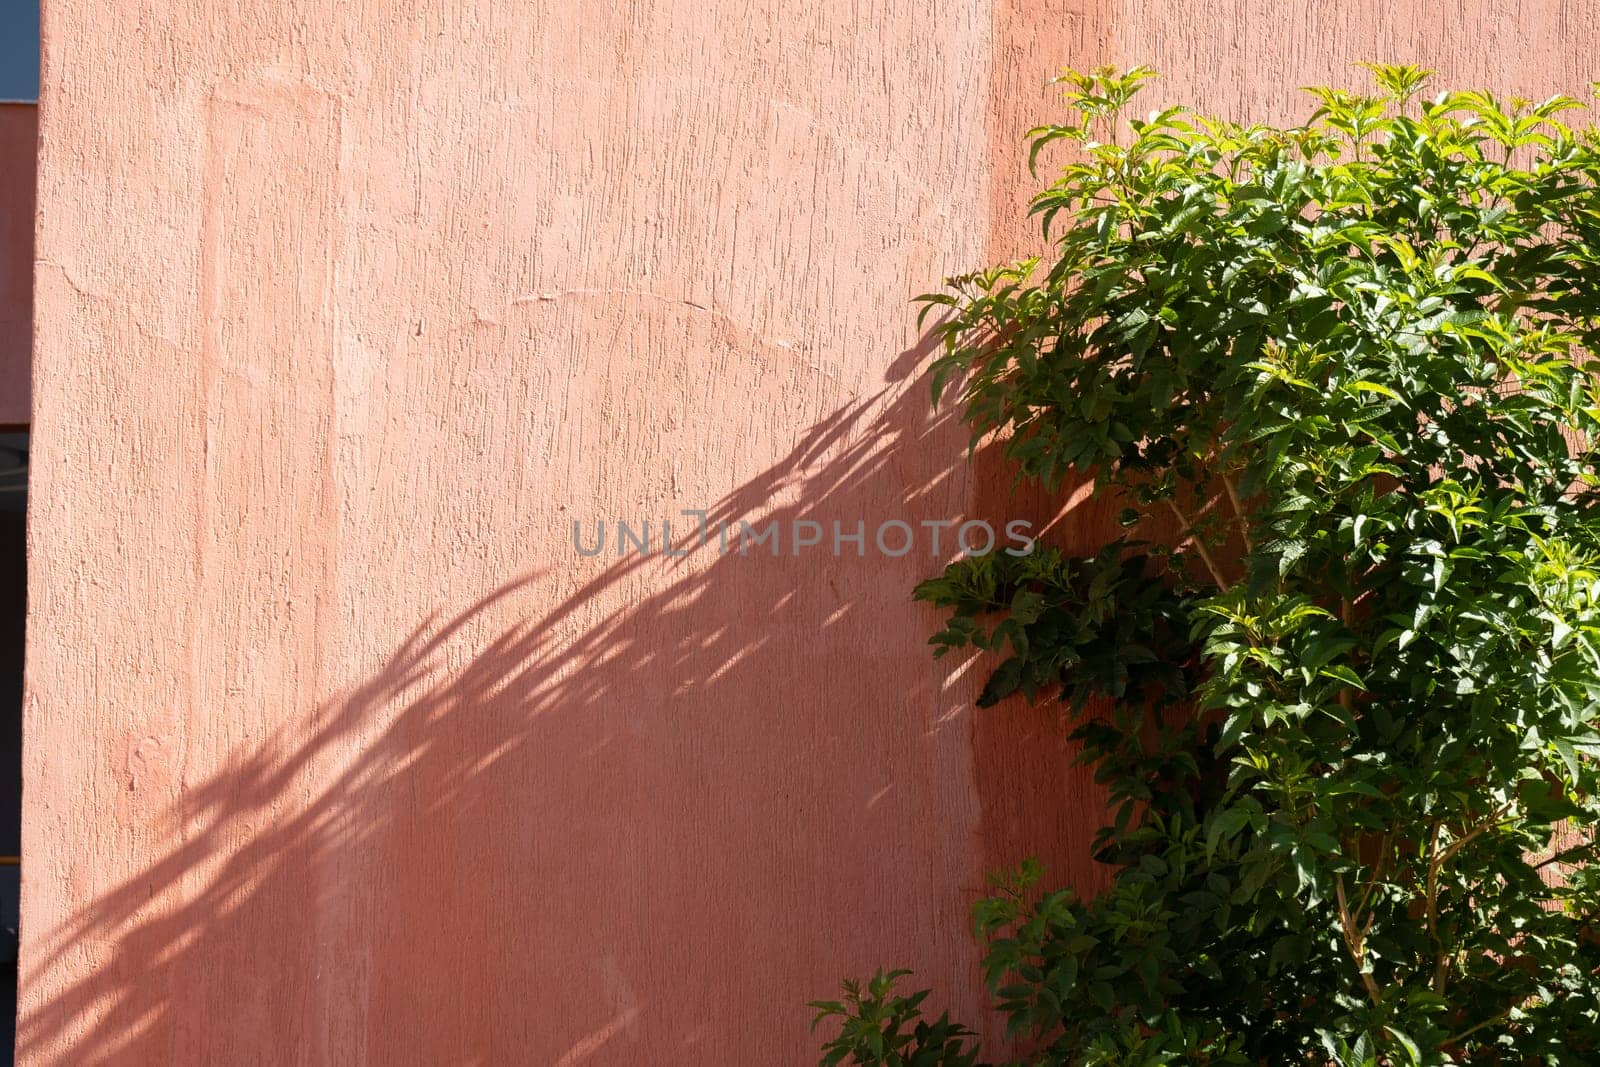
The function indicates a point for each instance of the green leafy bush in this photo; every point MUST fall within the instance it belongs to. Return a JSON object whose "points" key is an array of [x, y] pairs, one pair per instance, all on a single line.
{"points": [[1347, 722]]}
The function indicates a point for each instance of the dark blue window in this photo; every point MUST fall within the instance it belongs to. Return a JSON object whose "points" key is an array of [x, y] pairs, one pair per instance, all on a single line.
{"points": [[19, 50]]}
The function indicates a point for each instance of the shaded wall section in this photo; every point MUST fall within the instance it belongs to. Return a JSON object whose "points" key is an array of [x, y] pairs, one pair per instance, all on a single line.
{"points": [[19, 127], [336, 750]]}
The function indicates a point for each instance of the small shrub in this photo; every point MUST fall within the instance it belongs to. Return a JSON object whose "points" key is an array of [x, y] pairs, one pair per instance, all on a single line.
{"points": [[1348, 721]]}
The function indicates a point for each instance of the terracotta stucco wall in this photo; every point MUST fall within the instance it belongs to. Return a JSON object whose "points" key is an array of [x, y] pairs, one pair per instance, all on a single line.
{"points": [[337, 752]]}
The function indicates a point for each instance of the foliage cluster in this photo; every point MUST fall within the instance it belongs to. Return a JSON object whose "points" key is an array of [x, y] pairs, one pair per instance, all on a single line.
{"points": [[1348, 723]]}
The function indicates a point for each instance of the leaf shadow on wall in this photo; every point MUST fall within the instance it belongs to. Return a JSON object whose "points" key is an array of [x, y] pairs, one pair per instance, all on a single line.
{"points": [[644, 840]]}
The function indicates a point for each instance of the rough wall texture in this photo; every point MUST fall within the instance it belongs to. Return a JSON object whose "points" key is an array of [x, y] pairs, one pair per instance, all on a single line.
{"points": [[337, 752]]}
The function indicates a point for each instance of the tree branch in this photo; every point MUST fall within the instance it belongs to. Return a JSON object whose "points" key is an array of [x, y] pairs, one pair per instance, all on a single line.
{"points": [[1238, 513], [1199, 544], [1436, 862], [1355, 941]]}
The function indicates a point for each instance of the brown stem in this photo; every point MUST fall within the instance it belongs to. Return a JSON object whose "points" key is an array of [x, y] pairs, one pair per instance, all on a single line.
{"points": [[1441, 966], [1431, 906], [1379, 868], [1355, 941], [1469, 1031], [1199, 544], [1238, 513]]}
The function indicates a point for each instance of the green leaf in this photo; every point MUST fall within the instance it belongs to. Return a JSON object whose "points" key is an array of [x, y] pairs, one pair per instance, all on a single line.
{"points": [[1341, 673]]}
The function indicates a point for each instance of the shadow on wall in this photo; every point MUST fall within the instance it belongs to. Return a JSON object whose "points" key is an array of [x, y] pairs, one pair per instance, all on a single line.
{"points": [[646, 841]]}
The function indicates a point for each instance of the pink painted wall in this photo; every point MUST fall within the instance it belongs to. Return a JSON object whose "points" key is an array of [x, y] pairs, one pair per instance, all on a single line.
{"points": [[336, 751], [19, 128]]}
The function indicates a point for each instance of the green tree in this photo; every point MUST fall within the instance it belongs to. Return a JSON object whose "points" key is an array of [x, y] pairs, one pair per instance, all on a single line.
{"points": [[1348, 721]]}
